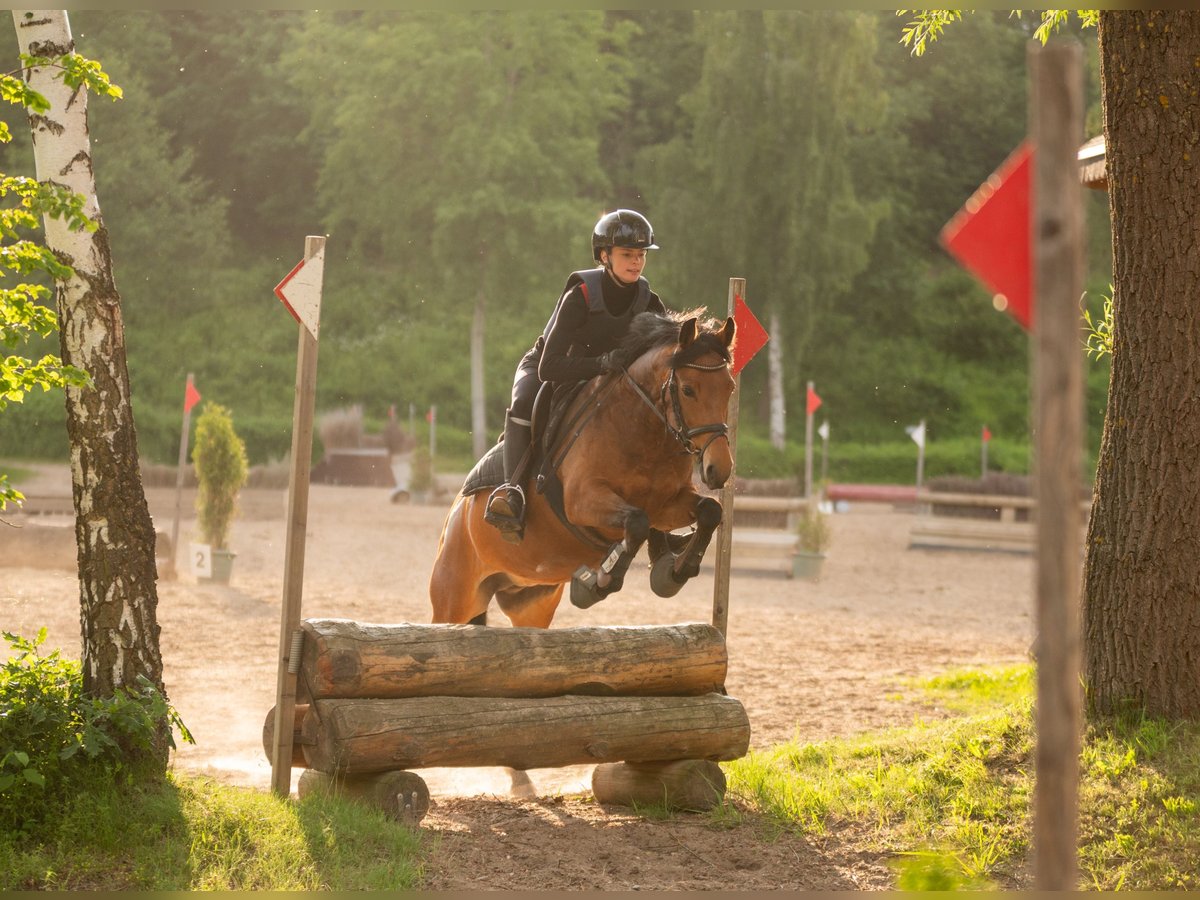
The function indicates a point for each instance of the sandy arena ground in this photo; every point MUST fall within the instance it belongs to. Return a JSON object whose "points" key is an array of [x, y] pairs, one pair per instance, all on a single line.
{"points": [[809, 660]]}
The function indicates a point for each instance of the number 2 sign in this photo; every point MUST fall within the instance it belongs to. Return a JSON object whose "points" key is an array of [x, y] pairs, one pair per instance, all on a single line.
{"points": [[201, 557]]}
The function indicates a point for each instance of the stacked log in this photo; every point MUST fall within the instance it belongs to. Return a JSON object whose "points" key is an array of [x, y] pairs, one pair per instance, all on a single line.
{"points": [[647, 702]]}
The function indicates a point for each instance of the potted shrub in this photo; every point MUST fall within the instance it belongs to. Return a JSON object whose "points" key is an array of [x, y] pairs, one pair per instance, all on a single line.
{"points": [[812, 529], [219, 456], [420, 479]]}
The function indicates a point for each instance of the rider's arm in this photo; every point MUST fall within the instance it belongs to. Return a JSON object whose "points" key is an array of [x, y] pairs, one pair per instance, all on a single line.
{"points": [[555, 364]]}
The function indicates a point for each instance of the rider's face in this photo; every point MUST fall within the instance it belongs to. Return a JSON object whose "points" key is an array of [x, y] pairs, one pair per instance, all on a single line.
{"points": [[627, 262]]}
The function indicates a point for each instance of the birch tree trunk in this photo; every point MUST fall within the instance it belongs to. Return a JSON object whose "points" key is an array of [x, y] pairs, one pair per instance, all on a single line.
{"points": [[775, 382], [1141, 610], [479, 437], [114, 533]]}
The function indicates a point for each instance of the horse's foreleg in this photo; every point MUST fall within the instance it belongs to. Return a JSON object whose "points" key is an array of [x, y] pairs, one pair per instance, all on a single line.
{"points": [[670, 571], [589, 586]]}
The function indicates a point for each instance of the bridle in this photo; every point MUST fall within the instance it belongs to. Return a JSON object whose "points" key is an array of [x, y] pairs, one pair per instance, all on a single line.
{"points": [[681, 432]]}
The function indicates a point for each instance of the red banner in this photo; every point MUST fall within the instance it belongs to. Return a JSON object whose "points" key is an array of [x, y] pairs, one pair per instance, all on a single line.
{"points": [[814, 402]]}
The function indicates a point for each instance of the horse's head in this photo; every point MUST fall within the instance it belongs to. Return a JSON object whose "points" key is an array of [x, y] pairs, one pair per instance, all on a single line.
{"points": [[697, 392]]}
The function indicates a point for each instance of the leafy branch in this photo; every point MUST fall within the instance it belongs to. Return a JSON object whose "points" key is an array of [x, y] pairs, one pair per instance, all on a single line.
{"points": [[23, 314], [927, 25]]}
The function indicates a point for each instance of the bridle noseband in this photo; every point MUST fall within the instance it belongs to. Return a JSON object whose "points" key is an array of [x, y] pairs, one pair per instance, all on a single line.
{"points": [[681, 432]]}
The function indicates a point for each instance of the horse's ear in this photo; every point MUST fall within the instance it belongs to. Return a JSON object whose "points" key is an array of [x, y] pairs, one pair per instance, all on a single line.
{"points": [[687, 332], [728, 332]]}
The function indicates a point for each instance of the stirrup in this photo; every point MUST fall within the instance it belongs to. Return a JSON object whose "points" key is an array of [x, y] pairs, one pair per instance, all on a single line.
{"points": [[505, 511]]}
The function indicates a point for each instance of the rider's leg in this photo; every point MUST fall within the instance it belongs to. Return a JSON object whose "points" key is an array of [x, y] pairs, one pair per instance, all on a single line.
{"points": [[506, 505]]}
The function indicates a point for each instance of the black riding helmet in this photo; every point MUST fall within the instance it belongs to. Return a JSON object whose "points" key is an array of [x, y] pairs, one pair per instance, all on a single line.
{"points": [[622, 228]]}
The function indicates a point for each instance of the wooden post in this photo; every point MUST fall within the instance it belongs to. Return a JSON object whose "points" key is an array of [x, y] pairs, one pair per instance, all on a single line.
{"points": [[808, 443], [720, 616], [183, 448], [1056, 126], [293, 565], [921, 455]]}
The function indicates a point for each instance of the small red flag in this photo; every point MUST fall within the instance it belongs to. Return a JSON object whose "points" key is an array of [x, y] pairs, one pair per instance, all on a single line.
{"points": [[750, 334], [429, 416], [191, 397], [814, 402], [987, 435]]}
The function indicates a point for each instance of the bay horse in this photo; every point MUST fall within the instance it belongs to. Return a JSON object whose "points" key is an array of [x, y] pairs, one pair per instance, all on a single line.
{"points": [[625, 464]]}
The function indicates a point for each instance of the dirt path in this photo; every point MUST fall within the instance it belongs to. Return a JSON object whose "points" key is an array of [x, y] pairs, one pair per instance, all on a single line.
{"points": [[808, 659]]}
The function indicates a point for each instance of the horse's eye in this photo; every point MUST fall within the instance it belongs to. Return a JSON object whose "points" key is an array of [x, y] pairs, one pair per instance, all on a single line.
{"points": [[689, 392]]}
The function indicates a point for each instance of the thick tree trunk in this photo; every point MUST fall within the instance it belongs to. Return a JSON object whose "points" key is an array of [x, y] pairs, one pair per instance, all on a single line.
{"points": [[1141, 612], [118, 593]]}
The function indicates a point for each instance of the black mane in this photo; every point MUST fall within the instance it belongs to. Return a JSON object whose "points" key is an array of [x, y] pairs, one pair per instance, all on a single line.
{"points": [[649, 331]]}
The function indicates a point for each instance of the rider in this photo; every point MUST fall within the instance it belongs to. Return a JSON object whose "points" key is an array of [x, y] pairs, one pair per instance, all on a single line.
{"points": [[592, 315]]}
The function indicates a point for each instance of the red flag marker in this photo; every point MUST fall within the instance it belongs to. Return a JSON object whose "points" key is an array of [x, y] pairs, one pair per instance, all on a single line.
{"points": [[191, 397], [814, 402], [990, 235], [987, 435], [751, 336]]}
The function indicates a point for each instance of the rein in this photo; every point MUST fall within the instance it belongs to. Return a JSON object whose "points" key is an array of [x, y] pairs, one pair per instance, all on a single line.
{"points": [[682, 433]]}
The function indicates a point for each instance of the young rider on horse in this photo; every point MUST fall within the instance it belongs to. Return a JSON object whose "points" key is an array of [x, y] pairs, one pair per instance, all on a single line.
{"points": [[592, 315]]}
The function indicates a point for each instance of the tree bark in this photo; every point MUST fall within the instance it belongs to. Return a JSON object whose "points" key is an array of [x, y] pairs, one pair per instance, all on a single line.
{"points": [[1141, 607], [114, 532]]}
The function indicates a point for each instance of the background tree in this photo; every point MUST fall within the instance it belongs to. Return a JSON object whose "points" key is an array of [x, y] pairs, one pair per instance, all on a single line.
{"points": [[115, 536], [781, 99]]}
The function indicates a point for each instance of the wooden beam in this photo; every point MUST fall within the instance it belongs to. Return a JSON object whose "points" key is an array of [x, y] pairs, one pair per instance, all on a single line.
{"points": [[359, 736], [344, 658]]}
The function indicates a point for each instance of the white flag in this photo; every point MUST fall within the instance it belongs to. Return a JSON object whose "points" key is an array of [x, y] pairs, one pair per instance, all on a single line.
{"points": [[823, 431], [917, 433]]}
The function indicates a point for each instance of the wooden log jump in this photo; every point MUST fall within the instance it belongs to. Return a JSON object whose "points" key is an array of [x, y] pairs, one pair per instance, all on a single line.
{"points": [[377, 700], [360, 736], [347, 659]]}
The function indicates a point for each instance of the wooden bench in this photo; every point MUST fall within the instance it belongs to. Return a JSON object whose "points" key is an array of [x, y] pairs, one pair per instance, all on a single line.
{"points": [[1011, 527]]}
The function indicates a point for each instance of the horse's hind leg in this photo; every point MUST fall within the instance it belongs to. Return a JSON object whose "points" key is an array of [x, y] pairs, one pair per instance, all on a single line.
{"points": [[530, 607], [456, 589]]}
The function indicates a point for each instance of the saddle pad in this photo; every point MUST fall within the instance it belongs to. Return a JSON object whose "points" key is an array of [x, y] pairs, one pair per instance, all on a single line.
{"points": [[487, 473]]}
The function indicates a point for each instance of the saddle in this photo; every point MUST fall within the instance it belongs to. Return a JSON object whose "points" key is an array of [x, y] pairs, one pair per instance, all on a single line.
{"points": [[552, 435]]}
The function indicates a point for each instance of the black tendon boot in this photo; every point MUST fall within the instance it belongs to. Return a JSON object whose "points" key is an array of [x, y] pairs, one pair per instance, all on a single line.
{"points": [[506, 505]]}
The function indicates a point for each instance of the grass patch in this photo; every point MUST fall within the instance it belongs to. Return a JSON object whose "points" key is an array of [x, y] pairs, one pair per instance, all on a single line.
{"points": [[196, 834], [952, 799]]}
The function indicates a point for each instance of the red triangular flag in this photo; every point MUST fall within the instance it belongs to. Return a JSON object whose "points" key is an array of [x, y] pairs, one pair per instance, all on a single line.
{"points": [[990, 235], [750, 334], [191, 397], [987, 435], [814, 402]]}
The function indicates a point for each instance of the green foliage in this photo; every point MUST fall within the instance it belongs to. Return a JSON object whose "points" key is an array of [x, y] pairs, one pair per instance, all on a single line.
{"points": [[22, 315], [54, 741], [221, 467], [421, 477], [929, 24], [812, 526], [485, 196], [1100, 331], [196, 834]]}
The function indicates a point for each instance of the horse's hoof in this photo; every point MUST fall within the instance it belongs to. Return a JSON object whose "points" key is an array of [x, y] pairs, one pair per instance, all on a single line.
{"points": [[662, 577], [584, 592]]}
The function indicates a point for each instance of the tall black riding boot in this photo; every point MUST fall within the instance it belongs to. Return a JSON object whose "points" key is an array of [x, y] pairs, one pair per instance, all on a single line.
{"points": [[506, 505]]}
